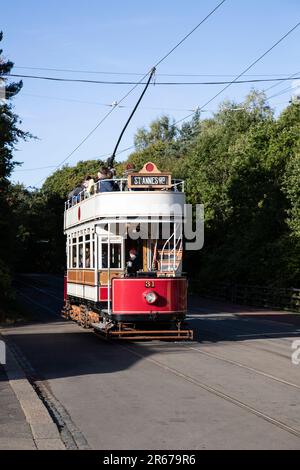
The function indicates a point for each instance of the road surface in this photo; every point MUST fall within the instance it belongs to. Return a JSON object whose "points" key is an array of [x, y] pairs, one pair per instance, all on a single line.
{"points": [[234, 387]]}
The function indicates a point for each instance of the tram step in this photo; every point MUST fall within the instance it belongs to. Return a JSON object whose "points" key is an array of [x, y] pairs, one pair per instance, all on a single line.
{"points": [[133, 334]]}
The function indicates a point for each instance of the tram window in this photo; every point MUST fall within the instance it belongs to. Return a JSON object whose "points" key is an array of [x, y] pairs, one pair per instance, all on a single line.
{"points": [[93, 261], [104, 262], [87, 252], [69, 263], [74, 256], [80, 256], [115, 256]]}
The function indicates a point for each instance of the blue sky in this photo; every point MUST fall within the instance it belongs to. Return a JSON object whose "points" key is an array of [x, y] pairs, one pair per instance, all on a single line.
{"points": [[131, 36]]}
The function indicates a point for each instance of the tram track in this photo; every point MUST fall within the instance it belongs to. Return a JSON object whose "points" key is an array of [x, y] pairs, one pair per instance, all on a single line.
{"points": [[71, 436], [250, 330], [215, 333], [233, 333], [214, 391], [244, 366], [203, 385], [43, 291], [215, 356], [225, 334], [258, 347], [34, 302]]}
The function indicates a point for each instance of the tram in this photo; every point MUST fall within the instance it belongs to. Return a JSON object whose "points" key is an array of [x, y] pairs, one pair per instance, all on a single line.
{"points": [[124, 258]]}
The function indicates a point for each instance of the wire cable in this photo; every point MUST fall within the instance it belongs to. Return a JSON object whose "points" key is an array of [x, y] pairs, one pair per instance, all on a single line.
{"points": [[133, 88], [93, 130], [282, 92], [127, 148], [110, 162], [49, 69], [290, 77], [98, 157], [34, 169], [111, 105], [243, 72], [189, 34], [108, 82], [254, 63]]}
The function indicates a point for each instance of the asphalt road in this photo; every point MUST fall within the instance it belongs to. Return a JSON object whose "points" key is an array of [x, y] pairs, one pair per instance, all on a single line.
{"points": [[234, 387]]}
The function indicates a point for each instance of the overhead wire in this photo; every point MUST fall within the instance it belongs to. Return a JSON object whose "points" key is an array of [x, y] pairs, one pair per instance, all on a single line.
{"points": [[127, 148], [243, 72], [134, 87], [49, 69], [110, 82], [110, 105], [281, 92], [290, 77]]}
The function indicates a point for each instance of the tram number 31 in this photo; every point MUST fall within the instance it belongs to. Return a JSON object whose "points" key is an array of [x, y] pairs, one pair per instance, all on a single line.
{"points": [[149, 284]]}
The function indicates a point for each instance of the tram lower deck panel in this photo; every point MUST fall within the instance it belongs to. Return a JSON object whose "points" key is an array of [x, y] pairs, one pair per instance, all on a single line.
{"points": [[138, 306]]}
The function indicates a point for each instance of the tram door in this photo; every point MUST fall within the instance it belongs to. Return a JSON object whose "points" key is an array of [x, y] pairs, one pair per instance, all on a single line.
{"points": [[111, 261], [160, 250], [137, 241], [164, 251]]}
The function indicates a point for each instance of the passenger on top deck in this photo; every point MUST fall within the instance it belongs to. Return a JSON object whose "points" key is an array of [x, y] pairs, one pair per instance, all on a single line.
{"points": [[74, 196], [105, 183], [88, 185]]}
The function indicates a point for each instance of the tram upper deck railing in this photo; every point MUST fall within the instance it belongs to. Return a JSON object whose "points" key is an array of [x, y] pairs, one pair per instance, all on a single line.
{"points": [[118, 185]]}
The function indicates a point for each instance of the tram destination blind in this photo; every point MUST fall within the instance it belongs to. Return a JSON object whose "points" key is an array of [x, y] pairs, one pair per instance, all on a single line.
{"points": [[149, 181]]}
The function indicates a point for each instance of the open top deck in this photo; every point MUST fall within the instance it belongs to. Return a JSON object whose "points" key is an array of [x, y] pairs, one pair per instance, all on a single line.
{"points": [[143, 194]]}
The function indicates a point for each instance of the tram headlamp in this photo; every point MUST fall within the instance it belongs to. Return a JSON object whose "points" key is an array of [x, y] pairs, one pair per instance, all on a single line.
{"points": [[150, 297]]}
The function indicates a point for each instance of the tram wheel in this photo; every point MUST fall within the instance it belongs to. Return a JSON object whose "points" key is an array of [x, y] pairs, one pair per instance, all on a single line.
{"points": [[66, 311], [84, 316]]}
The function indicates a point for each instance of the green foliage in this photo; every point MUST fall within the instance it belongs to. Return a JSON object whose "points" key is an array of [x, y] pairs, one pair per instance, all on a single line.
{"points": [[10, 134], [62, 181], [5, 280], [289, 148], [243, 164], [161, 130], [37, 219]]}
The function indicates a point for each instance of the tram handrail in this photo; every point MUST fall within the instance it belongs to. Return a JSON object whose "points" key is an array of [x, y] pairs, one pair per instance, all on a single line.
{"points": [[122, 185], [163, 249], [174, 249]]}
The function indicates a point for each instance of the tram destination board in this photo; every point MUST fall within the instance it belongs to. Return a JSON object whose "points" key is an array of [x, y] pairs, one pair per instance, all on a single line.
{"points": [[160, 180]]}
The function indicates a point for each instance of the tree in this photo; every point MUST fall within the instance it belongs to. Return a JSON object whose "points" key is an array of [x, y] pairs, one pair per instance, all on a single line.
{"points": [[63, 180], [289, 146], [244, 166], [10, 135], [161, 130]]}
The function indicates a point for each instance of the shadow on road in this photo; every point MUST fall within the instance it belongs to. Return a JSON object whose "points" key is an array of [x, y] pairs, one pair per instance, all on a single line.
{"points": [[70, 353], [219, 321], [59, 349]]}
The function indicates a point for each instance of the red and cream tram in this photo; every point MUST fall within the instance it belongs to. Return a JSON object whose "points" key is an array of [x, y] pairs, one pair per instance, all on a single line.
{"points": [[124, 258]]}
